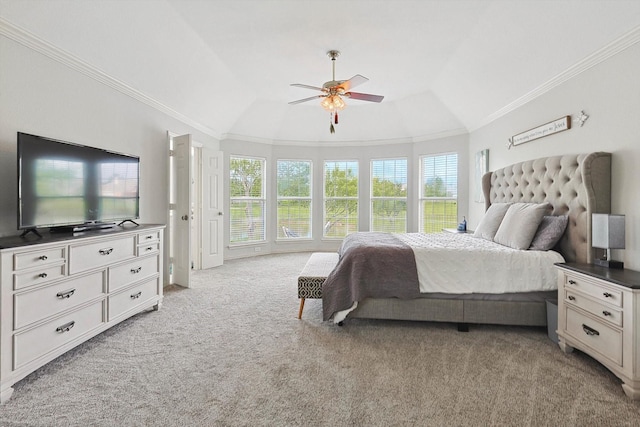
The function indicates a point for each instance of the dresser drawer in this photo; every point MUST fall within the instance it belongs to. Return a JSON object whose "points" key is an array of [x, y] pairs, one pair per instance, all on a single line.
{"points": [[38, 258], [132, 298], [150, 236], [44, 302], [595, 289], [39, 276], [36, 342], [603, 311], [149, 248], [596, 335], [133, 271], [99, 254]]}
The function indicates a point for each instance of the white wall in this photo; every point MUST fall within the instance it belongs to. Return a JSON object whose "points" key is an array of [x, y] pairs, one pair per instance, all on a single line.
{"points": [[318, 153], [610, 94], [41, 96]]}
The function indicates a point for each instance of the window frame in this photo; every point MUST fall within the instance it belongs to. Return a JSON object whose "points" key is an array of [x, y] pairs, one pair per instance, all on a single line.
{"points": [[355, 198], [294, 198], [373, 198], [449, 221], [262, 200]]}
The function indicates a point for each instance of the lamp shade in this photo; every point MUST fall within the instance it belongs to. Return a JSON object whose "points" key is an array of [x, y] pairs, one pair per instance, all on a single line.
{"points": [[607, 231]]}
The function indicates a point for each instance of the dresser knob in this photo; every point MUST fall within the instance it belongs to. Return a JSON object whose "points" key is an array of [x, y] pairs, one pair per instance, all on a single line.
{"points": [[42, 275], [572, 282], [607, 294], [571, 298], [606, 313], [136, 296], [43, 258], [105, 251]]}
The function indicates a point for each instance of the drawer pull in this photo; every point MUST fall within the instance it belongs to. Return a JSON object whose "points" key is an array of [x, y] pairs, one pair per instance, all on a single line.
{"points": [[607, 294], [105, 251], [606, 313], [42, 275], [136, 270], [589, 331], [572, 282], [66, 327], [43, 258], [136, 296], [66, 294], [571, 298], [149, 237], [149, 249]]}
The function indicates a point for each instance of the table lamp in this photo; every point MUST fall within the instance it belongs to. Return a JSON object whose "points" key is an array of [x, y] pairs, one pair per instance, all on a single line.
{"points": [[607, 232]]}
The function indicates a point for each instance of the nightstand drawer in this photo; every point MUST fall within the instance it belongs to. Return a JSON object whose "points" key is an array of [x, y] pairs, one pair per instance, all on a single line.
{"points": [[595, 289], [595, 335], [605, 312]]}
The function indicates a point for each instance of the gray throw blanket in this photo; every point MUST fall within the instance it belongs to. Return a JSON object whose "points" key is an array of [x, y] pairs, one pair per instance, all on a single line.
{"points": [[371, 265]]}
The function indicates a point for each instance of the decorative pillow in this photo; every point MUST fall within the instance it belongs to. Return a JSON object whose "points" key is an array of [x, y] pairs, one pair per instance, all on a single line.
{"points": [[549, 233], [520, 224], [491, 221]]}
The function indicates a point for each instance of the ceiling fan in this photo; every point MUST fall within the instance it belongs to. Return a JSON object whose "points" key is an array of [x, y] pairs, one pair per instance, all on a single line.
{"points": [[334, 90]]}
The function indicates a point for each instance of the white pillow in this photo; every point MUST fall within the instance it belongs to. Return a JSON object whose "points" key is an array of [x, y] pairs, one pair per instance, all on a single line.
{"points": [[520, 224], [491, 221]]}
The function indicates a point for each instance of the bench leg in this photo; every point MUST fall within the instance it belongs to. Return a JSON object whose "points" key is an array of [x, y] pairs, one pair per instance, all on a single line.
{"points": [[301, 308]]}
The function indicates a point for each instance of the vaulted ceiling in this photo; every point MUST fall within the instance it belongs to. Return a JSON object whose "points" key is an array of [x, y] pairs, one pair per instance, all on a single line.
{"points": [[444, 66]]}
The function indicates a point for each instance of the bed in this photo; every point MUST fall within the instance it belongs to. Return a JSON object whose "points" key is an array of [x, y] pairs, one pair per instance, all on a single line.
{"points": [[573, 186]]}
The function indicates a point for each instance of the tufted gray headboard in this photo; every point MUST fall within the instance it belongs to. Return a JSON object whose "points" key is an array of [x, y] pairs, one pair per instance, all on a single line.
{"points": [[576, 185]]}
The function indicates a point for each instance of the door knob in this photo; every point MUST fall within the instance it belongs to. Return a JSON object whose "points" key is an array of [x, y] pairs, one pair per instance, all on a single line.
{"points": [[220, 213], [185, 217]]}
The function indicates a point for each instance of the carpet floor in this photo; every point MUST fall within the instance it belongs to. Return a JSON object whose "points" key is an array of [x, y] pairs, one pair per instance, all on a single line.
{"points": [[230, 351]]}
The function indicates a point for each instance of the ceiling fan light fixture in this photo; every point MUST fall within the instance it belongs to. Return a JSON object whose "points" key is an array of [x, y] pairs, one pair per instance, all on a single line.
{"points": [[333, 103]]}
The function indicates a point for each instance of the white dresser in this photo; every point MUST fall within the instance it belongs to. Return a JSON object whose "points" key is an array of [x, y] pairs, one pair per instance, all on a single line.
{"points": [[598, 313], [62, 289]]}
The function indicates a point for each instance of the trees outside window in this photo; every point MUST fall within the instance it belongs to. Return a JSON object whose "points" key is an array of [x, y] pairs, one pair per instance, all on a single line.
{"points": [[389, 195], [247, 200], [293, 181], [438, 192], [340, 198]]}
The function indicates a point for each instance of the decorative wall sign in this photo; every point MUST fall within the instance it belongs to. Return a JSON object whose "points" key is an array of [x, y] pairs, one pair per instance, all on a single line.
{"points": [[546, 129], [482, 167]]}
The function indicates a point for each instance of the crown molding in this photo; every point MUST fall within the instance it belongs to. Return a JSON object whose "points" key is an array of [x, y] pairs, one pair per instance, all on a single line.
{"points": [[625, 41], [33, 42]]}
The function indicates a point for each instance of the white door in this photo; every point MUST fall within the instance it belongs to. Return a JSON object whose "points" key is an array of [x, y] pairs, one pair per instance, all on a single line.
{"points": [[212, 209], [182, 147]]}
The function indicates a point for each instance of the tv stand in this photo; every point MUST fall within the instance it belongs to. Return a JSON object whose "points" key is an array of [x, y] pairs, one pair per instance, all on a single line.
{"points": [[129, 220], [30, 230]]}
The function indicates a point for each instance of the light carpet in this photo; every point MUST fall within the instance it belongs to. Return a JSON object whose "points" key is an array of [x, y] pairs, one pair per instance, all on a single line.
{"points": [[231, 352]]}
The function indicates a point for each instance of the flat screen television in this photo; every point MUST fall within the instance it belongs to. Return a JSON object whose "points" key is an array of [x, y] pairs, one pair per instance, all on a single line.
{"points": [[68, 187]]}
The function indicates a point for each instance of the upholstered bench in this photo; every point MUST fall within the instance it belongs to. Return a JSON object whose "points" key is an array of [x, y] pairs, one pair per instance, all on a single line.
{"points": [[313, 275]]}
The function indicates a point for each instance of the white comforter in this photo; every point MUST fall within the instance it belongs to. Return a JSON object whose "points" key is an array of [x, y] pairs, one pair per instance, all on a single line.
{"points": [[463, 264]]}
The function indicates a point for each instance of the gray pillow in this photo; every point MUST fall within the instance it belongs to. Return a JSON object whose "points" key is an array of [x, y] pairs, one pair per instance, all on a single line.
{"points": [[491, 221], [549, 233], [520, 224]]}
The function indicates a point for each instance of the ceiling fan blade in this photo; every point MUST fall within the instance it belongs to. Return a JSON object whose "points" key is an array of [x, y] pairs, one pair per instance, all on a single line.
{"points": [[300, 101], [353, 82], [364, 96], [307, 86]]}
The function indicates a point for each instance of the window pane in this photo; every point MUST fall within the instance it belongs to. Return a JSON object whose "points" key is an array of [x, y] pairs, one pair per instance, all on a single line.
{"points": [[340, 198], [439, 192], [294, 178], [247, 205], [389, 215], [247, 221], [294, 218], [389, 178], [341, 217]]}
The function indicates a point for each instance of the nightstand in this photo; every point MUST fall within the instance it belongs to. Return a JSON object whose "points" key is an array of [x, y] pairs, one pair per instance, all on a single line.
{"points": [[598, 314]]}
